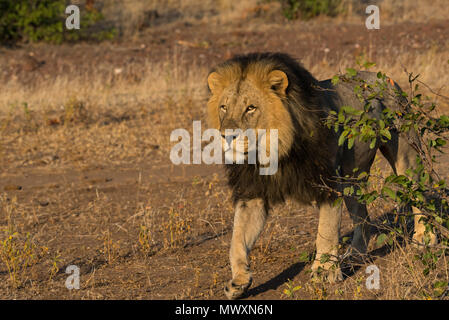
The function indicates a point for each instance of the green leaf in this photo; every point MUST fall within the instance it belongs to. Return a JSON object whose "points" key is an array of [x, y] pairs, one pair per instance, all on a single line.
{"points": [[439, 288], [362, 175], [338, 202], [440, 142], [348, 191], [335, 80], [304, 257], [386, 133], [368, 64], [351, 72], [345, 239], [390, 193], [341, 140], [325, 258], [351, 142], [381, 238], [373, 143]]}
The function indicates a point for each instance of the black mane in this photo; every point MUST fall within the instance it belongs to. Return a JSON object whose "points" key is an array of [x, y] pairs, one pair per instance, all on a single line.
{"points": [[308, 164]]}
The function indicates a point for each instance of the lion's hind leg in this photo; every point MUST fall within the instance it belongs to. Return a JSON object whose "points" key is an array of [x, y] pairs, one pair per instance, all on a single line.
{"points": [[401, 157], [249, 221], [361, 221]]}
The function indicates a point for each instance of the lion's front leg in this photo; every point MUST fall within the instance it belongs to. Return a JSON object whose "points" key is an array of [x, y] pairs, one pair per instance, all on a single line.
{"points": [[326, 259], [249, 221]]}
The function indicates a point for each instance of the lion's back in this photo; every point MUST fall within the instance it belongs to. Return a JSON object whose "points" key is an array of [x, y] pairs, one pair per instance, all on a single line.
{"points": [[344, 94]]}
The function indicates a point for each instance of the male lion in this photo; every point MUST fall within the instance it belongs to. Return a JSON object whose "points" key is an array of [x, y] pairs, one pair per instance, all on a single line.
{"points": [[273, 91]]}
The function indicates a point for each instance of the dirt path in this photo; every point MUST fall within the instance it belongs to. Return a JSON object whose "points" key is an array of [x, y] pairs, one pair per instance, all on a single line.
{"points": [[69, 211]]}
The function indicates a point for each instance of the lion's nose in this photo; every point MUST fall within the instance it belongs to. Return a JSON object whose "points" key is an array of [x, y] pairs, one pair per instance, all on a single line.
{"points": [[230, 137]]}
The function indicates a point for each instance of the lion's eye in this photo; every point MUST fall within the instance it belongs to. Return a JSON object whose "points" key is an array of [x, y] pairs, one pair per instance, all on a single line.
{"points": [[223, 108], [250, 109]]}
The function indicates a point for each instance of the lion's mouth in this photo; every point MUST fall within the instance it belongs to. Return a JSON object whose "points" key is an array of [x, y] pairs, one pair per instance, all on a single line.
{"points": [[233, 150]]}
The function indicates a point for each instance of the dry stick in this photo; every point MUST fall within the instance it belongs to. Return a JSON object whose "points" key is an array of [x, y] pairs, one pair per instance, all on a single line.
{"points": [[269, 240], [213, 229], [431, 90]]}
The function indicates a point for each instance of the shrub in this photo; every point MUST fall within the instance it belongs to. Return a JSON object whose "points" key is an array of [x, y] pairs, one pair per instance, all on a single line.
{"points": [[307, 9], [421, 187], [44, 20]]}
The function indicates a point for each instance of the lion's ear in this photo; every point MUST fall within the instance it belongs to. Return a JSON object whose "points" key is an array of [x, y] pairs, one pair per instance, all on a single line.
{"points": [[214, 80], [278, 81]]}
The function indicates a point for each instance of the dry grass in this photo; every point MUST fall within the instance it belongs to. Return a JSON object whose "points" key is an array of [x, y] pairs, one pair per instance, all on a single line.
{"points": [[112, 107], [401, 277], [107, 105], [432, 66], [413, 11], [132, 17]]}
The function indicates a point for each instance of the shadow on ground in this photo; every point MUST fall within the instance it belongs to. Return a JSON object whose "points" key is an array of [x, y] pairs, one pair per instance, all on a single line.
{"points": [[278, 280]]}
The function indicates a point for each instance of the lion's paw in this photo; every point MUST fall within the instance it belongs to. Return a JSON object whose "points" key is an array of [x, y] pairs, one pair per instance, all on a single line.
{"points": [[237, 287], [420, 239], [327, 271], [353, 255]]}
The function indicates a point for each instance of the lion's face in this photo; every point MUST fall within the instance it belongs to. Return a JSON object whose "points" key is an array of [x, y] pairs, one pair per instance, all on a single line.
{"points": [[252, 99]]}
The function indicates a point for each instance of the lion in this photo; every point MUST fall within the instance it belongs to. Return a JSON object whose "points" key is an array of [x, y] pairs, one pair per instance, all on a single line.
{"points": [[273, 91]]}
